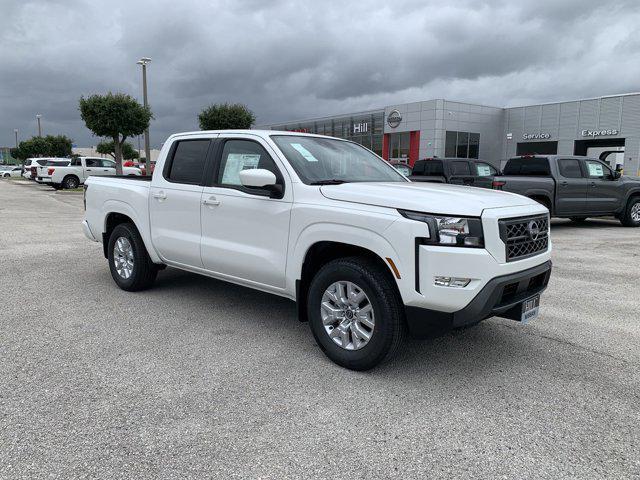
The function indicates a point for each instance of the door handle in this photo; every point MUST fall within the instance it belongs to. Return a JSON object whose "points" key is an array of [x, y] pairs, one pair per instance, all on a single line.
{"points": [[593, 184], [159, 196], [564, 184], [88, 169], [211, 202]]}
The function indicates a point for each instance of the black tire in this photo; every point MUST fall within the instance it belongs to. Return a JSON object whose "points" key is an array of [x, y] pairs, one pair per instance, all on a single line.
{"points": [[144, 271], [578, 219], [70, 182], [627, 218], [389, 326]]}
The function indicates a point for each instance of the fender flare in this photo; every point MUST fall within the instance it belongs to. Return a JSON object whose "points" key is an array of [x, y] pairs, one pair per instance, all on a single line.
{"points": [[123, 208], [347, 234]]}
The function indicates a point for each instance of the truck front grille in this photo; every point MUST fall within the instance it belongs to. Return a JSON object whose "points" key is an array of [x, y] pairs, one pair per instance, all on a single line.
{"points": [[524, 237]]}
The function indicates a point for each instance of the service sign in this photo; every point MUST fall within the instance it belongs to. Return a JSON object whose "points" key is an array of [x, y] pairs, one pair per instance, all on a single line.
{"points": [[536, 136]]}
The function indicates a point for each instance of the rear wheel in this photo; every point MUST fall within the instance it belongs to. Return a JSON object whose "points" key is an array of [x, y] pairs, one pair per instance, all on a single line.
{"points": [[631, 215], [130, 264], [355, 313], [70, 182]]}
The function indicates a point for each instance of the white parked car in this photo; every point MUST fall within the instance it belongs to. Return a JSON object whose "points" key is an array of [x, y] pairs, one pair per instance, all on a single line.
{"points": [[44, 172], [365, 253], [82, 168], [30, 165], [11, 171]]}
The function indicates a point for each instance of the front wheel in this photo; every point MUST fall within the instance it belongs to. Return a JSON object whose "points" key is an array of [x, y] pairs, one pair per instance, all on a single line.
{"points": [[129, 262], [355, 313], [631, 215]]}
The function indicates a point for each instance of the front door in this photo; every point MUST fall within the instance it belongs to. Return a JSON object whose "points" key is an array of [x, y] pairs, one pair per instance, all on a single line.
{"points": [[603, 189], [174, 202], [571, 188], [245, 231]]}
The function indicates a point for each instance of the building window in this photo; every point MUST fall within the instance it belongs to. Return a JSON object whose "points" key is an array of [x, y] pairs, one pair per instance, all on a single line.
{"points": [[399, 146], [462, 145]]}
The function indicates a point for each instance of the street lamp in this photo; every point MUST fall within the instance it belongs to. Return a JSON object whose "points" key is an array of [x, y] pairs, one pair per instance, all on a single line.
{"points": [[15, 130], [38, 117], [147, 150]]}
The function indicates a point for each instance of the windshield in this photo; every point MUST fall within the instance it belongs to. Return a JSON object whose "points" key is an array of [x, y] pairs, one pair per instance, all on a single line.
{"points": [[320, 161]]}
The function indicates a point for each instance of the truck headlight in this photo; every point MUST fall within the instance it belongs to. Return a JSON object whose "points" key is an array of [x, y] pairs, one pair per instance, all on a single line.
{"points": [[450, 231]]}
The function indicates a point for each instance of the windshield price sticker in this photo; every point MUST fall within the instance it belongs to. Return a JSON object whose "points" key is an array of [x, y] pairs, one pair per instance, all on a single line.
{"points": [[304, 152], [484, 171]]}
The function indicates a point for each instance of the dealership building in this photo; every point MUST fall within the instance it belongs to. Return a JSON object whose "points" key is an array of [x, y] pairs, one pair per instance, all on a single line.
{"points": [[607, 126]]}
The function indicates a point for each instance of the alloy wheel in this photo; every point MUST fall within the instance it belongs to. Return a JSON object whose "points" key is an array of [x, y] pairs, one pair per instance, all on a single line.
{"points": [[347, 315], [123, 257]]}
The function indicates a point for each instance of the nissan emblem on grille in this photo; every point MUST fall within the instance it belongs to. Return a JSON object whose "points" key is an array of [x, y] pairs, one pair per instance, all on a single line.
{"points": [[524, 237], [534, 230]]}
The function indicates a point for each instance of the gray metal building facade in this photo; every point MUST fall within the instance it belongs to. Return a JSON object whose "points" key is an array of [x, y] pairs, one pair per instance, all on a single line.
{"points": [[409, 131]]}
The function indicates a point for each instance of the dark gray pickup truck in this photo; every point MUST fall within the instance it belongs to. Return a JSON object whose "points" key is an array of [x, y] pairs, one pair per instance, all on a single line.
{"points": [[459, 171], [573, 187]]}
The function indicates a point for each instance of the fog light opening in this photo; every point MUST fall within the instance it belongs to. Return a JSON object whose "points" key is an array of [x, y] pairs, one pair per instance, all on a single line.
{"points": [[454, 282]]}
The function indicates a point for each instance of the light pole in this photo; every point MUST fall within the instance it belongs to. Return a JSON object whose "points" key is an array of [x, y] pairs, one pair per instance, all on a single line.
{"points": [[147, 150], [15, 130], [38, 117]]}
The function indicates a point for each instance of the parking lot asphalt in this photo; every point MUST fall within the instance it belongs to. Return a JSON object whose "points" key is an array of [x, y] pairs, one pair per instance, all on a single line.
{"points": [[199, 378]]}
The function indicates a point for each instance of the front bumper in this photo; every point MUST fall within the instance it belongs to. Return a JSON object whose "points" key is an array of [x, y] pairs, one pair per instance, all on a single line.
{"points": [[43, 179], [502, 297]]}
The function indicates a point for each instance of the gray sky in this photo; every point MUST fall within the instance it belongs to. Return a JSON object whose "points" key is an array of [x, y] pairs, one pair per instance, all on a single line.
{"points": [[290, 60]]}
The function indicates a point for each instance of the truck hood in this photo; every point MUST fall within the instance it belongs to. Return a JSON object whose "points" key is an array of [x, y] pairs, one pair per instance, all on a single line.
{"points": [[425, 197]]}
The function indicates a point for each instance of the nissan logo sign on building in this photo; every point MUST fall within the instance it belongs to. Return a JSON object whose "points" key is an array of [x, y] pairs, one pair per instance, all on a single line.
{"points": [[394, 118]]}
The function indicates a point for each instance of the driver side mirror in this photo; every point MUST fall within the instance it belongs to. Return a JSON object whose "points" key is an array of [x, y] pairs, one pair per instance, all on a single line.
{"points": [[616, 175], [261, 178]]}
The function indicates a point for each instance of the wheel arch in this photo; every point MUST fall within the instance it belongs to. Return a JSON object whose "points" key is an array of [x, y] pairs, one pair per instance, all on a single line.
{"points": [[117, 212], [71, 175], [315, 254]]}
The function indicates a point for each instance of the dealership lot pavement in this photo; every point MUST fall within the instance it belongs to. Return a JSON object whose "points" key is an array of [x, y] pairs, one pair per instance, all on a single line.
{"points": [[200, 378]]}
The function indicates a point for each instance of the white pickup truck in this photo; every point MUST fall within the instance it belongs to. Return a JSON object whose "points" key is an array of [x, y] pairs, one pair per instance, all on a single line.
{"points": [[365, 253], [82, 168]]}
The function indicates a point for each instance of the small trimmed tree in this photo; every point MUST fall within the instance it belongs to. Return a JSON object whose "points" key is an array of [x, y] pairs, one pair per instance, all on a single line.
{"points": [[226, 116], [107, 148], [116, 116]]}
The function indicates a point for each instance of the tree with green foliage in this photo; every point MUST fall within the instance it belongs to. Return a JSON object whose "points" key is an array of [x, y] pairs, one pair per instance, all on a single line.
{"points": [[49, 146], [226, 116], [107, 148], [116, 116]]}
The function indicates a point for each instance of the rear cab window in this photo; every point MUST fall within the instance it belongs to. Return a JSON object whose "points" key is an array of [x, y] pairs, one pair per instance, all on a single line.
{"points": [[188, 162], [570, 168], [460, 168]]}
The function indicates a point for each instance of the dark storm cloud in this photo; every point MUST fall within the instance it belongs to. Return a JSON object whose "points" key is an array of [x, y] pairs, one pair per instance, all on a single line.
{"points": [[290, 60]]}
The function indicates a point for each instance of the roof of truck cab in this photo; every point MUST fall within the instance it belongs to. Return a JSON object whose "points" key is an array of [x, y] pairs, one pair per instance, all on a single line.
{"points": [[260, 133]]}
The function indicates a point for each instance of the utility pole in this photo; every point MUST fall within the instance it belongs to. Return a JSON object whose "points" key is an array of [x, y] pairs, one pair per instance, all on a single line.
{"points": [[15, 130], [147, 149], [38, 117]]}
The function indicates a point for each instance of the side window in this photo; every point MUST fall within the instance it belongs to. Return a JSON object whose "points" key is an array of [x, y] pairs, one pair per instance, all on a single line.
{"points": [[108, 164], [433, 168], [418, 167], [239, 155], [570, 168], [93, 162], [76, 162], [460, 168], [485, 170], [27, 163], [188, 161], [598, 170]]}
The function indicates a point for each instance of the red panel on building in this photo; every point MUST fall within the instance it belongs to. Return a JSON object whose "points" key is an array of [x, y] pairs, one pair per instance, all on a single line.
{"points": [[414, 146], [385, 146]]}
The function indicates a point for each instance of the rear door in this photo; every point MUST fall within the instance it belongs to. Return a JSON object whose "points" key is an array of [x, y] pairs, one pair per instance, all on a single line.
{"points": [[484, 174], [571, 187], [174, 201], [460, 172], [604, 191]]}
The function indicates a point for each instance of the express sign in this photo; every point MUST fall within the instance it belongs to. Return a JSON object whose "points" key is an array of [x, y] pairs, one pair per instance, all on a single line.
{"points": [[599, 133]]}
